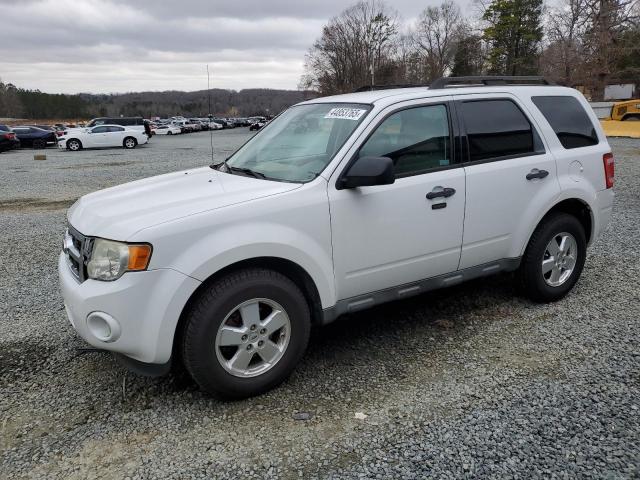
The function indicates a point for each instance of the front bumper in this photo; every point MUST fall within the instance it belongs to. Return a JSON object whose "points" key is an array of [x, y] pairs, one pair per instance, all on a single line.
{"points": [[145, 306]]}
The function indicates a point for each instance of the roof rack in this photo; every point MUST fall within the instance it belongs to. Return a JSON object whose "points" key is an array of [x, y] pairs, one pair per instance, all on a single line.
{"points": [[486, 81], [371, 88]]}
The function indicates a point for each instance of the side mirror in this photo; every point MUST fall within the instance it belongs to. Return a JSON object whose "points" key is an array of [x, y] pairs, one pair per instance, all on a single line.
{"points": [[367, 172]]}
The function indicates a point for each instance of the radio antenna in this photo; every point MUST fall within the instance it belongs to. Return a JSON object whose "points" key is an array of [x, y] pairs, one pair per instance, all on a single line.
{"points": [[209, 116]]}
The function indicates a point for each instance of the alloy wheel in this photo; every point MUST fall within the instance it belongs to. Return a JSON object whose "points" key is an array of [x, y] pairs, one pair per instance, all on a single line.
{"points": [[253, 337], [559, 259]]}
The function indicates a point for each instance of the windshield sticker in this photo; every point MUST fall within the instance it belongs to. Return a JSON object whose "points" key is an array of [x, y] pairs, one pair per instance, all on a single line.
{"points": [[345, 113]]}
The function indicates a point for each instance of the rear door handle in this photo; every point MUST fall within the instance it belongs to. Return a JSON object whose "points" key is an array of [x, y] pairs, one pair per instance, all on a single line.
{"points": [[440, 192], [535, 173]]}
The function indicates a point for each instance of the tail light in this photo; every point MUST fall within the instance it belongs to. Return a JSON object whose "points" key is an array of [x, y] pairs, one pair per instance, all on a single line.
{"points": [[609, 169], [9, 136]]}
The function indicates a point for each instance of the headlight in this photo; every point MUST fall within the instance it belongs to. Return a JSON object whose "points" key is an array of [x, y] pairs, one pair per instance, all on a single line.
{"points": [[110, 260]]}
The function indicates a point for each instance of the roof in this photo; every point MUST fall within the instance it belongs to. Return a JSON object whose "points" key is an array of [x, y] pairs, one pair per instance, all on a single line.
{"points": [[387, 97]]}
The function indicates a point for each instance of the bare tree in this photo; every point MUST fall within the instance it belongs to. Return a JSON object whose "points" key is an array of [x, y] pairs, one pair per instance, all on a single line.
{"points": [[356, 48], [436, 37], [606, 21], [562, 58]]}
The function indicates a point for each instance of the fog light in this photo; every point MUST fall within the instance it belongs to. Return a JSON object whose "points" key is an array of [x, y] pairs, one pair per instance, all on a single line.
{"points": [[103, 326]]}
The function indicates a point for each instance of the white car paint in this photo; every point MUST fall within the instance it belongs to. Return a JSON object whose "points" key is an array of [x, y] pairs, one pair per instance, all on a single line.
{"points": [[102, 136], [168, 130], [351, 241]]}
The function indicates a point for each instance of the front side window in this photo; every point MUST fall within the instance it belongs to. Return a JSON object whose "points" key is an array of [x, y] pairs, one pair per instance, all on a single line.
{"points": [[298, 144], [416, 139], [498, 128], [568, 119]]}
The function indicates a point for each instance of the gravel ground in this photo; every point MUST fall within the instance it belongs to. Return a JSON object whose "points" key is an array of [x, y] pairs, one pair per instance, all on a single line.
{"points": [[466, 382]]}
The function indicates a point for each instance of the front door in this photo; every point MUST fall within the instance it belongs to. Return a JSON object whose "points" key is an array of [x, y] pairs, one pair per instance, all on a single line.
{"points": [[389, 235], [98, 136]]}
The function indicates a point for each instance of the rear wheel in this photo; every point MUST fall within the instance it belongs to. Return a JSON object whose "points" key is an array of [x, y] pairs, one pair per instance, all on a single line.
{"points": [[632, 118], [554, 258], [246, 333], [169, 133], [130, 142], [74, 145]]}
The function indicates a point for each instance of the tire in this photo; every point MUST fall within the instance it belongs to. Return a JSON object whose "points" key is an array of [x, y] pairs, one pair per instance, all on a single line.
{"points": [[540, 284], [210, 363], [632, 118], [39, 144], [74, 145], [169, 133], [129, 142]]}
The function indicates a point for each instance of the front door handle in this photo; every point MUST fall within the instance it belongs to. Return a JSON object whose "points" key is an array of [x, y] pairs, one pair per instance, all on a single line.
{"points": [[535, 173], [440, 192]]}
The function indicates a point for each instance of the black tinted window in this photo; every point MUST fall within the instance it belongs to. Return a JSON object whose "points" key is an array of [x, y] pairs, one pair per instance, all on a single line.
{"points": [[116, 129], [498, 128], [416, 139], [100, 130], [568, 119]]}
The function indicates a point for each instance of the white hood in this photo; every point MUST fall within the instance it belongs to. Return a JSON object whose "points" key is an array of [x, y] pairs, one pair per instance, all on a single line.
{"points": [[117, 213]]}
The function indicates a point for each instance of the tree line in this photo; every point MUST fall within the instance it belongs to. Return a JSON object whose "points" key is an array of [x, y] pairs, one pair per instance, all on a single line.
{"points": [[576, 42], [22, 103]]}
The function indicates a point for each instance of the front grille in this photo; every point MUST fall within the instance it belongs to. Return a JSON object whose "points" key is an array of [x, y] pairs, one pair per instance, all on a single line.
{"points": [[77, 249]]}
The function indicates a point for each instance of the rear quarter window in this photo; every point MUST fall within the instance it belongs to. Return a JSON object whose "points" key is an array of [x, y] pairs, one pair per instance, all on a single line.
{"points": [[568, 119]]}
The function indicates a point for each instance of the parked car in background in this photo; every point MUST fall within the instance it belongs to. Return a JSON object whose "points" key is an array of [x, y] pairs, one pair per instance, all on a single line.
{"points": [[34, 137], [215, 126], [102, 136], [8, 141], [5, 128], [168, 130], [132, 123], [257, 125]]}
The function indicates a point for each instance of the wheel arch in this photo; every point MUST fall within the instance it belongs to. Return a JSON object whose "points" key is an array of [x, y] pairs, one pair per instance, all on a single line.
{"points": [[576, 207], [76, 139], [286, 267]]}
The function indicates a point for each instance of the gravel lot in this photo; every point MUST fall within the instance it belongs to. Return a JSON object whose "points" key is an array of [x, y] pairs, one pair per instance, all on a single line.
{"points": [[465, 382]]}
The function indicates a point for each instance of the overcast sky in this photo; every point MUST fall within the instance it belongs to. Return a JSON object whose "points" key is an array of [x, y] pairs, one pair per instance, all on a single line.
{"points": [[110, 46]]}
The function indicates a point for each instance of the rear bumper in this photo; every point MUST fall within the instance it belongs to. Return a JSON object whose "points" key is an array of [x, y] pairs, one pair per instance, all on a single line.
{"points": [[604, 207], [139, 311]]}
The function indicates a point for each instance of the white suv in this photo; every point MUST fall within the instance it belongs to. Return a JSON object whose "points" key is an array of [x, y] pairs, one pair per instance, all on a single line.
{"points": [[339, 204]]}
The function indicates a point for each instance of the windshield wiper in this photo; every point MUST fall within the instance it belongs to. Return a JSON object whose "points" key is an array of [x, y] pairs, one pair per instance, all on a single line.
{"points": [[225, 167], [247, 171]]}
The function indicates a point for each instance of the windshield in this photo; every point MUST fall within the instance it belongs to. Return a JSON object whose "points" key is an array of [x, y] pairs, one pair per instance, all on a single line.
{"points": [[298, 144]]}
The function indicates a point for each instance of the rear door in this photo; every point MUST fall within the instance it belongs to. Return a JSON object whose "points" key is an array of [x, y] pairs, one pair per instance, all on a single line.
{"points": [[510, 175]]}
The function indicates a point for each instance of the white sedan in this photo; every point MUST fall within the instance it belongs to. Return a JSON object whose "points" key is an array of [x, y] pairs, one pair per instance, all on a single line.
{"points": [[101, 136], [168, 130]]}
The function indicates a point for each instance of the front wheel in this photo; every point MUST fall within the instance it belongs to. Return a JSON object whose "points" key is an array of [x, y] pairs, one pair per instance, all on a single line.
{"points": [[554, 258], [130, 142], [246, 333], [169, 133], [74, 145]]}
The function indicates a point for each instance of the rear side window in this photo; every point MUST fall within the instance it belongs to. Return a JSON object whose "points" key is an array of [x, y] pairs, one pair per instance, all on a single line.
{"points": [[568, 119], [498, 129], [100, 130], [115, 129], [416, 139]]}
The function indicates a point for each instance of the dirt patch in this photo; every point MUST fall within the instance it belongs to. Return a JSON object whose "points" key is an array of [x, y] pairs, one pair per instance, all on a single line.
{"points": [[33, 204], [94, 165]]}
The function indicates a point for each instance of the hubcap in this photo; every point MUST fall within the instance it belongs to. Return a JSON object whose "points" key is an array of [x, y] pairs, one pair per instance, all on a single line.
{"points": [[559, 259], [129, 143], [253, 337]]}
